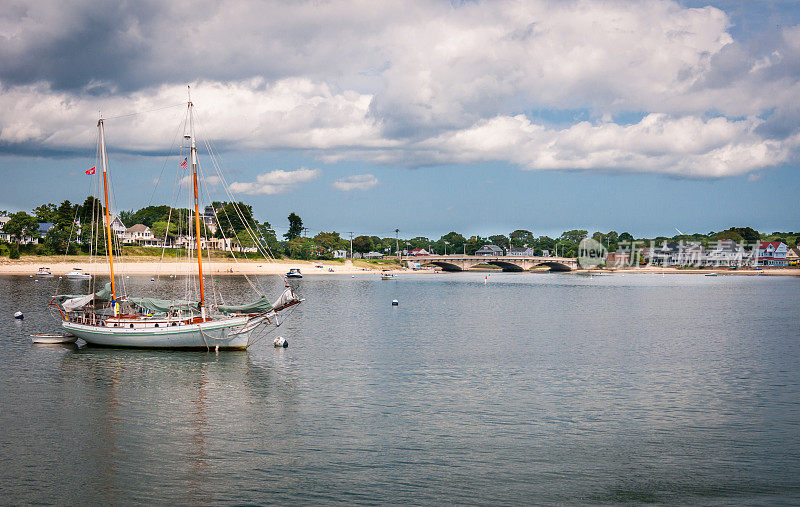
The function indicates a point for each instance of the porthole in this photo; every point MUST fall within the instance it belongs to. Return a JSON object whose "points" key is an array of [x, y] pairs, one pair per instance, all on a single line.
{"points": [[156, 324], [131, 325]]}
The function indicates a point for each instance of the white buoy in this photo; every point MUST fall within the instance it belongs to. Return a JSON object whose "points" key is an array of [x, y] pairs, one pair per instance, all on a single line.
{"points": [[280, 342], [18, 315], [395, 302]]}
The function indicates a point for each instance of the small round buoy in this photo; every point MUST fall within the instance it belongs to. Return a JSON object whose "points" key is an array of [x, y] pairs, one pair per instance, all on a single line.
{"points": [[18, 315], [395, 302], [152, 279], [30, 276], [280, 342]]}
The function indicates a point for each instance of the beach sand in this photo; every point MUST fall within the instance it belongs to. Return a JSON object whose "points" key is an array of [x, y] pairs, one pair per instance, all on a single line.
{"points": [[153, 267]]}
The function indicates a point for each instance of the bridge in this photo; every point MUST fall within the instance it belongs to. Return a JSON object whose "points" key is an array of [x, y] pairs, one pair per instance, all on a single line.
{"points": [[458, 262]]}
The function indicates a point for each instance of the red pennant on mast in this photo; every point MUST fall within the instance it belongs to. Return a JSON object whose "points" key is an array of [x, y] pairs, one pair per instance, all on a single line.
{"points": [[90, 171]]}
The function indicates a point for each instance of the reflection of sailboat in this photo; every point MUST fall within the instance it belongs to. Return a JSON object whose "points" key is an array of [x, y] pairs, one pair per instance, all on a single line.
{"points": [[108, 317]]}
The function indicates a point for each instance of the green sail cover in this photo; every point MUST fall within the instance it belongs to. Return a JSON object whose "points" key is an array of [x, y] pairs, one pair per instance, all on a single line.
{"points": [[162, 306], [260, 305], [104, 293]]}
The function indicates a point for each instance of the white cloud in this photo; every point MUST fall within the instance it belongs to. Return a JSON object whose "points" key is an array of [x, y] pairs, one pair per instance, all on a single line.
{"points": [[275, 182], [210, 181], [414, 83], [355, 182]]}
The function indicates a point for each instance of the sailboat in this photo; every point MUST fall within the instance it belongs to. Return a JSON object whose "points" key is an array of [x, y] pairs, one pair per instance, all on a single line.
{"points": [[110, 318]]}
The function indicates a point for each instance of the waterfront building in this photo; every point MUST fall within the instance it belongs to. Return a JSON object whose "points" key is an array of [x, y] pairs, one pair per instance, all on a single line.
{"points": [[373, 255], [520, 251], [772, 253], [490, 251], [340, 254], [141, 235], [793, 256], [419, 252]]}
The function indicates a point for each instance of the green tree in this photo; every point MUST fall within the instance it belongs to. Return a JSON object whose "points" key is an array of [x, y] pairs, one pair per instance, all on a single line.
{"points": [[521, 238], [268, 237], [329, 241], [499, 240], [729, 234], [362, 244], [295, 227], [45, 213], [21, 225], [234, 217]]}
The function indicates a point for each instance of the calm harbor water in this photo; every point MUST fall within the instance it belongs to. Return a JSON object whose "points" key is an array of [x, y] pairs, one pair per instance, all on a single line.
{"points": [[530, 388]]}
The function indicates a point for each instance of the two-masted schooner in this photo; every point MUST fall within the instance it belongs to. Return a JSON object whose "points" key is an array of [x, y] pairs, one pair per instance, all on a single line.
{"points": [[108, 317]]}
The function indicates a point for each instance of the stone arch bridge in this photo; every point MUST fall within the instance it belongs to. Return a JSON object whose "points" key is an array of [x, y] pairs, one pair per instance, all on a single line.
{"points": [[459, 262]]}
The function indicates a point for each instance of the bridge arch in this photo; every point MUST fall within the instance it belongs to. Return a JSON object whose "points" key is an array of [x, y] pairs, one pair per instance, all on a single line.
{"points": [[506, 266], [446, 266], [555, 266]]}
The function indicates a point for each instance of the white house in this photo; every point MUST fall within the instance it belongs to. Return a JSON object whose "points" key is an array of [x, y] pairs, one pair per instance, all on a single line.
{"points": [[141, 235], [520, 251], [340, 254]]}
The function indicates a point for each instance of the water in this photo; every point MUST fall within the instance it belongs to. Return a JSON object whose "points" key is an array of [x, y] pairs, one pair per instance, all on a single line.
{"points": [[528, 389]]}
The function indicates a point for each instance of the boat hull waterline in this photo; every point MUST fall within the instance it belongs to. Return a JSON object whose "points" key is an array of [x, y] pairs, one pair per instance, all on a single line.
{"points": [[227, 334]]}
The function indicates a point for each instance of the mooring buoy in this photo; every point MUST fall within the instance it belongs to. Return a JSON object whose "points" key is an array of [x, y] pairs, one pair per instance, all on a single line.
{"points": [[18, 315], [395, 302]]}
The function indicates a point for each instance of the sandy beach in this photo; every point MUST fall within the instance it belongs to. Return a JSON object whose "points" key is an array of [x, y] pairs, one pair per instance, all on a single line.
{"points": [[153, 267], [150, 266]]}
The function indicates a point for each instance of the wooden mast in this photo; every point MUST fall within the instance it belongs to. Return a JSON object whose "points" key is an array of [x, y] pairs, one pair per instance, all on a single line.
{"points": [[109, 248], [197, 215]]}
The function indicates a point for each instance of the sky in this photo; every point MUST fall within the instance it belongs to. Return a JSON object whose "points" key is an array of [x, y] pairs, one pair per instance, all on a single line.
{"points": [[426, 116]]}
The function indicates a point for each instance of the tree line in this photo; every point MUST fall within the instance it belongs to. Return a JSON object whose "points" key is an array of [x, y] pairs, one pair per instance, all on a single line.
{"points": [[237, 222]]}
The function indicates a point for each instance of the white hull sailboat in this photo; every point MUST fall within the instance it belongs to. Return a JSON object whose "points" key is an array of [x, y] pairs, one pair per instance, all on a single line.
{"points": [[109, 318]]}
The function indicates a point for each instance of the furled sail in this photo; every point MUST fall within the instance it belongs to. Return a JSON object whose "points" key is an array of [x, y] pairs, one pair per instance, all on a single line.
{"points": [[72, 302], [163, 306], [260, 305]]}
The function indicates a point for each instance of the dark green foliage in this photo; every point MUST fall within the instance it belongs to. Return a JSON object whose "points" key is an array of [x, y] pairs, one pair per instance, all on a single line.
{"points": [[295, 227]]}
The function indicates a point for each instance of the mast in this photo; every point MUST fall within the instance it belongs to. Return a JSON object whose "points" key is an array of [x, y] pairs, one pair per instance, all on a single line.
{"points": [[109, 249], [197, 214]]}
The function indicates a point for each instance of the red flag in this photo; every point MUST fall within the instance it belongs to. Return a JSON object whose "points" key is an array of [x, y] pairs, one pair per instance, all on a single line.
{"points": [[90, 171], [183, 164]]}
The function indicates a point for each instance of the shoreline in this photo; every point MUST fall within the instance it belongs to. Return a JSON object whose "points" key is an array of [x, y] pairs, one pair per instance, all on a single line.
{"points": [[146, 266], [154, 267]]}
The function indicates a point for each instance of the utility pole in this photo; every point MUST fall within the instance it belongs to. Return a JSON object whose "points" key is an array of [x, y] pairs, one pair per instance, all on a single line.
{"points": [[351, 244], [397, 242], [305, 232]]}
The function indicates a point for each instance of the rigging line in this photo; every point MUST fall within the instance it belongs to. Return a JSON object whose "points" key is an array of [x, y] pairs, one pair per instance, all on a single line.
{"points": [[164, 165], [218, 167], [263, 249], [143, 112], [171, 203], [229, 243]]}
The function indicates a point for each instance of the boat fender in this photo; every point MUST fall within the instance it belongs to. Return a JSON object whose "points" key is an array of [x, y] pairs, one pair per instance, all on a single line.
{"points": [[280, 342], [18, 315]]}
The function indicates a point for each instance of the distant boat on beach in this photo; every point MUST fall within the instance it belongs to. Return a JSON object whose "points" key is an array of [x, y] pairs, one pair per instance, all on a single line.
{"points": [[78, 274], [44, 273]]}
